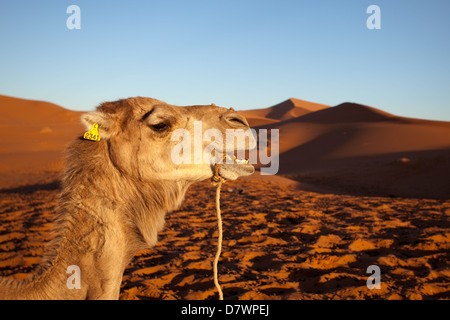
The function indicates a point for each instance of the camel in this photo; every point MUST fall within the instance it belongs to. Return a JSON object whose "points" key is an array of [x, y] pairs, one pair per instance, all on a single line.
{"points": [[115, 194]]}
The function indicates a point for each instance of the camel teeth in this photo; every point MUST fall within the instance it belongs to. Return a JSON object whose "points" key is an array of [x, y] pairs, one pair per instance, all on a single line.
{"points": [[227, 158], [241, 161]]}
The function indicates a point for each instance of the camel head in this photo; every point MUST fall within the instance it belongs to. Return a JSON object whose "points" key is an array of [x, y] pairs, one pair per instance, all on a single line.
{"points": [[149, 139]]}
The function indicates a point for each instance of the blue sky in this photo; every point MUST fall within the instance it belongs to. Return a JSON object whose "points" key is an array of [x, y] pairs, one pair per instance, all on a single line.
{"points": [[246, 54]]}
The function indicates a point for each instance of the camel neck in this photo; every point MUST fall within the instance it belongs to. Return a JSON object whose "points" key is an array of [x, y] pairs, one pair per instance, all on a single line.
{"points": [[96, 239]]}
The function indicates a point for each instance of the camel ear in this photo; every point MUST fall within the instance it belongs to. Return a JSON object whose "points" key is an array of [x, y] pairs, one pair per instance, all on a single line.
{"points": [[104, 121]]}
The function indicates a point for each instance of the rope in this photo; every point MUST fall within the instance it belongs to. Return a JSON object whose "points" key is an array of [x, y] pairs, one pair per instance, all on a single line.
{"points": [[217, 181], [219, 241]]}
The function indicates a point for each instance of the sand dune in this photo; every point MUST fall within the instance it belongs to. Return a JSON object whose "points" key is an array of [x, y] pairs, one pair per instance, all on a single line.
{"points": [[285, 110], [351, 147], [348, 112], [345, 149], [33, 136], [27, 125]]}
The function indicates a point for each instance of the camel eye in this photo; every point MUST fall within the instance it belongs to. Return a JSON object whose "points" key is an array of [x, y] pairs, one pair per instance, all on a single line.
{"points": [[162, 126], [237, 121]]}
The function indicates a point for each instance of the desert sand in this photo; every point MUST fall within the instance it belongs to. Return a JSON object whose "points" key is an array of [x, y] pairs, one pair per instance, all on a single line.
{"points": [[357, 187]]}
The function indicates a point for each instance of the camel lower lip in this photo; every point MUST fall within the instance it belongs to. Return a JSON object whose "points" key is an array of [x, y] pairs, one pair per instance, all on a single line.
{"points": [[233, 171]]}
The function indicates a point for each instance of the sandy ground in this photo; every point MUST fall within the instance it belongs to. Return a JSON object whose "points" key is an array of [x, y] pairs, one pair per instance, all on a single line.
{"points": [[370, 189], [279, 243]]}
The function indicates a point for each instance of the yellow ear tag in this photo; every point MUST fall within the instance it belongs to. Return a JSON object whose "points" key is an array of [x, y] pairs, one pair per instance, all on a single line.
{"points": [[93, 133]]}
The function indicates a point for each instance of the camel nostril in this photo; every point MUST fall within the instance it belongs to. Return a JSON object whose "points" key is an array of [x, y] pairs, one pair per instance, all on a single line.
{"points": [[236, 120]]}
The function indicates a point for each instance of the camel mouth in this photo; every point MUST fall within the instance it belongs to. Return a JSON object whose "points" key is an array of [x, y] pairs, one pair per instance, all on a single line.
{"points": [[228, 159], [231, 157], [232, 168]]}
